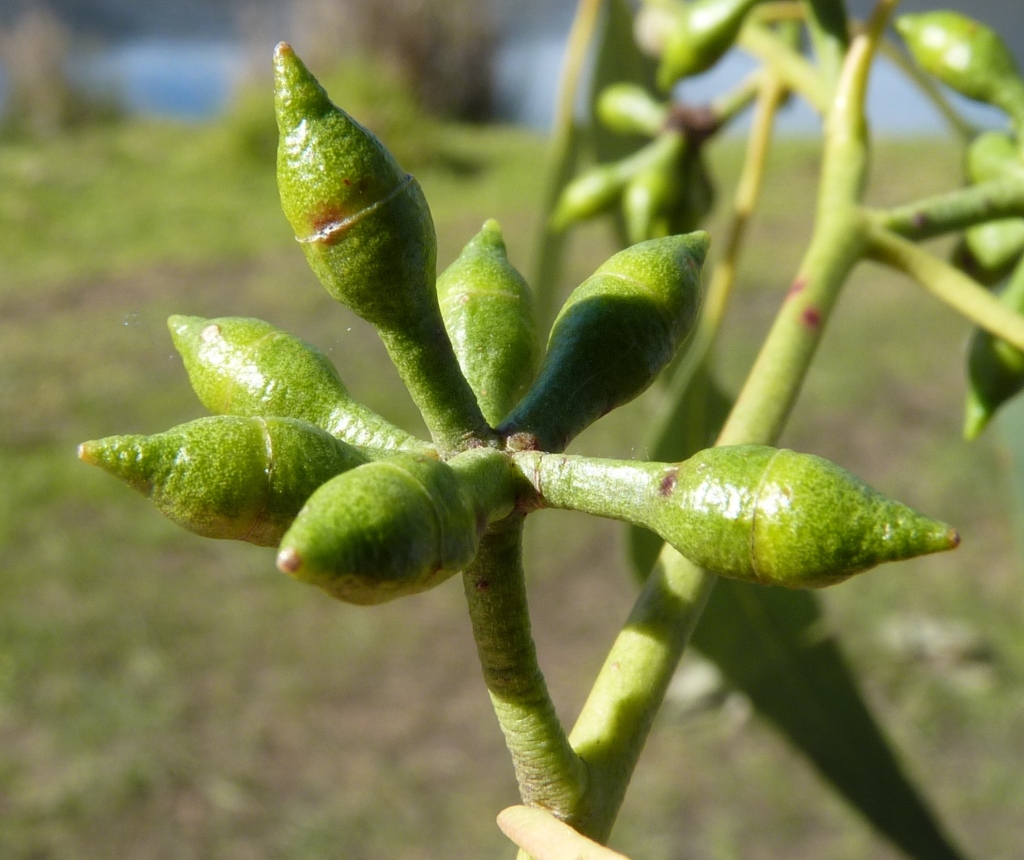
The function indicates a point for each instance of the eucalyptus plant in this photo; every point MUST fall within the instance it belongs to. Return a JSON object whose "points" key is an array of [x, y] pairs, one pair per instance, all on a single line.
{"points": [[368, 512]]}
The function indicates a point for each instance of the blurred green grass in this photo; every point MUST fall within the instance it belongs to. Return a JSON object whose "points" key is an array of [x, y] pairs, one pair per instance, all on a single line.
{"points": [[165, 696]]}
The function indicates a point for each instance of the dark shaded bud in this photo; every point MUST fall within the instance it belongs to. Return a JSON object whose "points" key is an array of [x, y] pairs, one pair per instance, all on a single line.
{"points": [[614, 335], [995, 369]]}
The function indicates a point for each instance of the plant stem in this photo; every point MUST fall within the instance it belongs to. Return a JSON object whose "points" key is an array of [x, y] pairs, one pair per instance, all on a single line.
{"points": [[549, 773], [617, 716], [954, 210], [949, 284], [798, 74], [431, 373], [565, 146], [772, 93]]}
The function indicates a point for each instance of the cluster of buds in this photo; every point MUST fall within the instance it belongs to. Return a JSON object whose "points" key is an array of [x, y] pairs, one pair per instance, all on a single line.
{"points": [[369, 512], [973, 60]]}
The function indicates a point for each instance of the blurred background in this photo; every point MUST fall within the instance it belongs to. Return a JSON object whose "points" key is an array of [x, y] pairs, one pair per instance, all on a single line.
{"points": [[162, 696]]}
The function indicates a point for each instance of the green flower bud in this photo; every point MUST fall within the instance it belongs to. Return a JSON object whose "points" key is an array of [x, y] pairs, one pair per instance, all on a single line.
{"points": [[965, 55], [614, 335], [244, 366], [629, 109], [702, 32], [362, 221], [992, 155], [397, 526], [596, 190], [647, 200], [747, 512], [367, 233], [589, 194], [226, 476], [996, 245], [487, 309], [995, 369]]}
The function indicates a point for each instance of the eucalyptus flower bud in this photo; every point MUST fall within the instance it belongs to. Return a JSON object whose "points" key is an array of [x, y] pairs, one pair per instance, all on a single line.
{"points": [[614, 335], [227, 476], [596, 190], [487, 309], [995, 369], [630, 109], [996, 245], [397, 526], [747, 512], [965, 55], [367, 233], [244, 366], [702, 32]]}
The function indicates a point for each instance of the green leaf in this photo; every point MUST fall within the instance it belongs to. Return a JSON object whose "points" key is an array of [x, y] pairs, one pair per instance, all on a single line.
{"points": [[770, 643]]}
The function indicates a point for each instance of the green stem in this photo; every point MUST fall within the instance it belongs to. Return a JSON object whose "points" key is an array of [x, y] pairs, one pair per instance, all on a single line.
{"points": [[549, 773], [430, 371], [795, 71], [948, 284], [954, 210], [617, 716], [566, 147], [615, 721]]}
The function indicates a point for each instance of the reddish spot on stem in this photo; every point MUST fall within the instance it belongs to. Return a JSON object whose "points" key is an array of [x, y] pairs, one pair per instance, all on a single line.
{"points": [[797, 286], [289, 560], [482, 585], [811, 317], [954, 538], [347, 181], [668, 483], [919, 220]]}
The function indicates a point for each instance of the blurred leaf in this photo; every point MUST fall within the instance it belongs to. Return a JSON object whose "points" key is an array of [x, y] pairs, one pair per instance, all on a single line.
{"points": [[770, 643]]}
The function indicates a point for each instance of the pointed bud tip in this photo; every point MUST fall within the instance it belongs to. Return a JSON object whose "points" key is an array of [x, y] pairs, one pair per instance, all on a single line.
{"points": [[181, 325], [298, 93], [288, 559], [88, 452]]}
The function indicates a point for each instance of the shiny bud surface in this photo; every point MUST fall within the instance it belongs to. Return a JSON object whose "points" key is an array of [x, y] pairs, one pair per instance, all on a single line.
{"points": [[616, 332], [226, 476], [245, 366]]}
